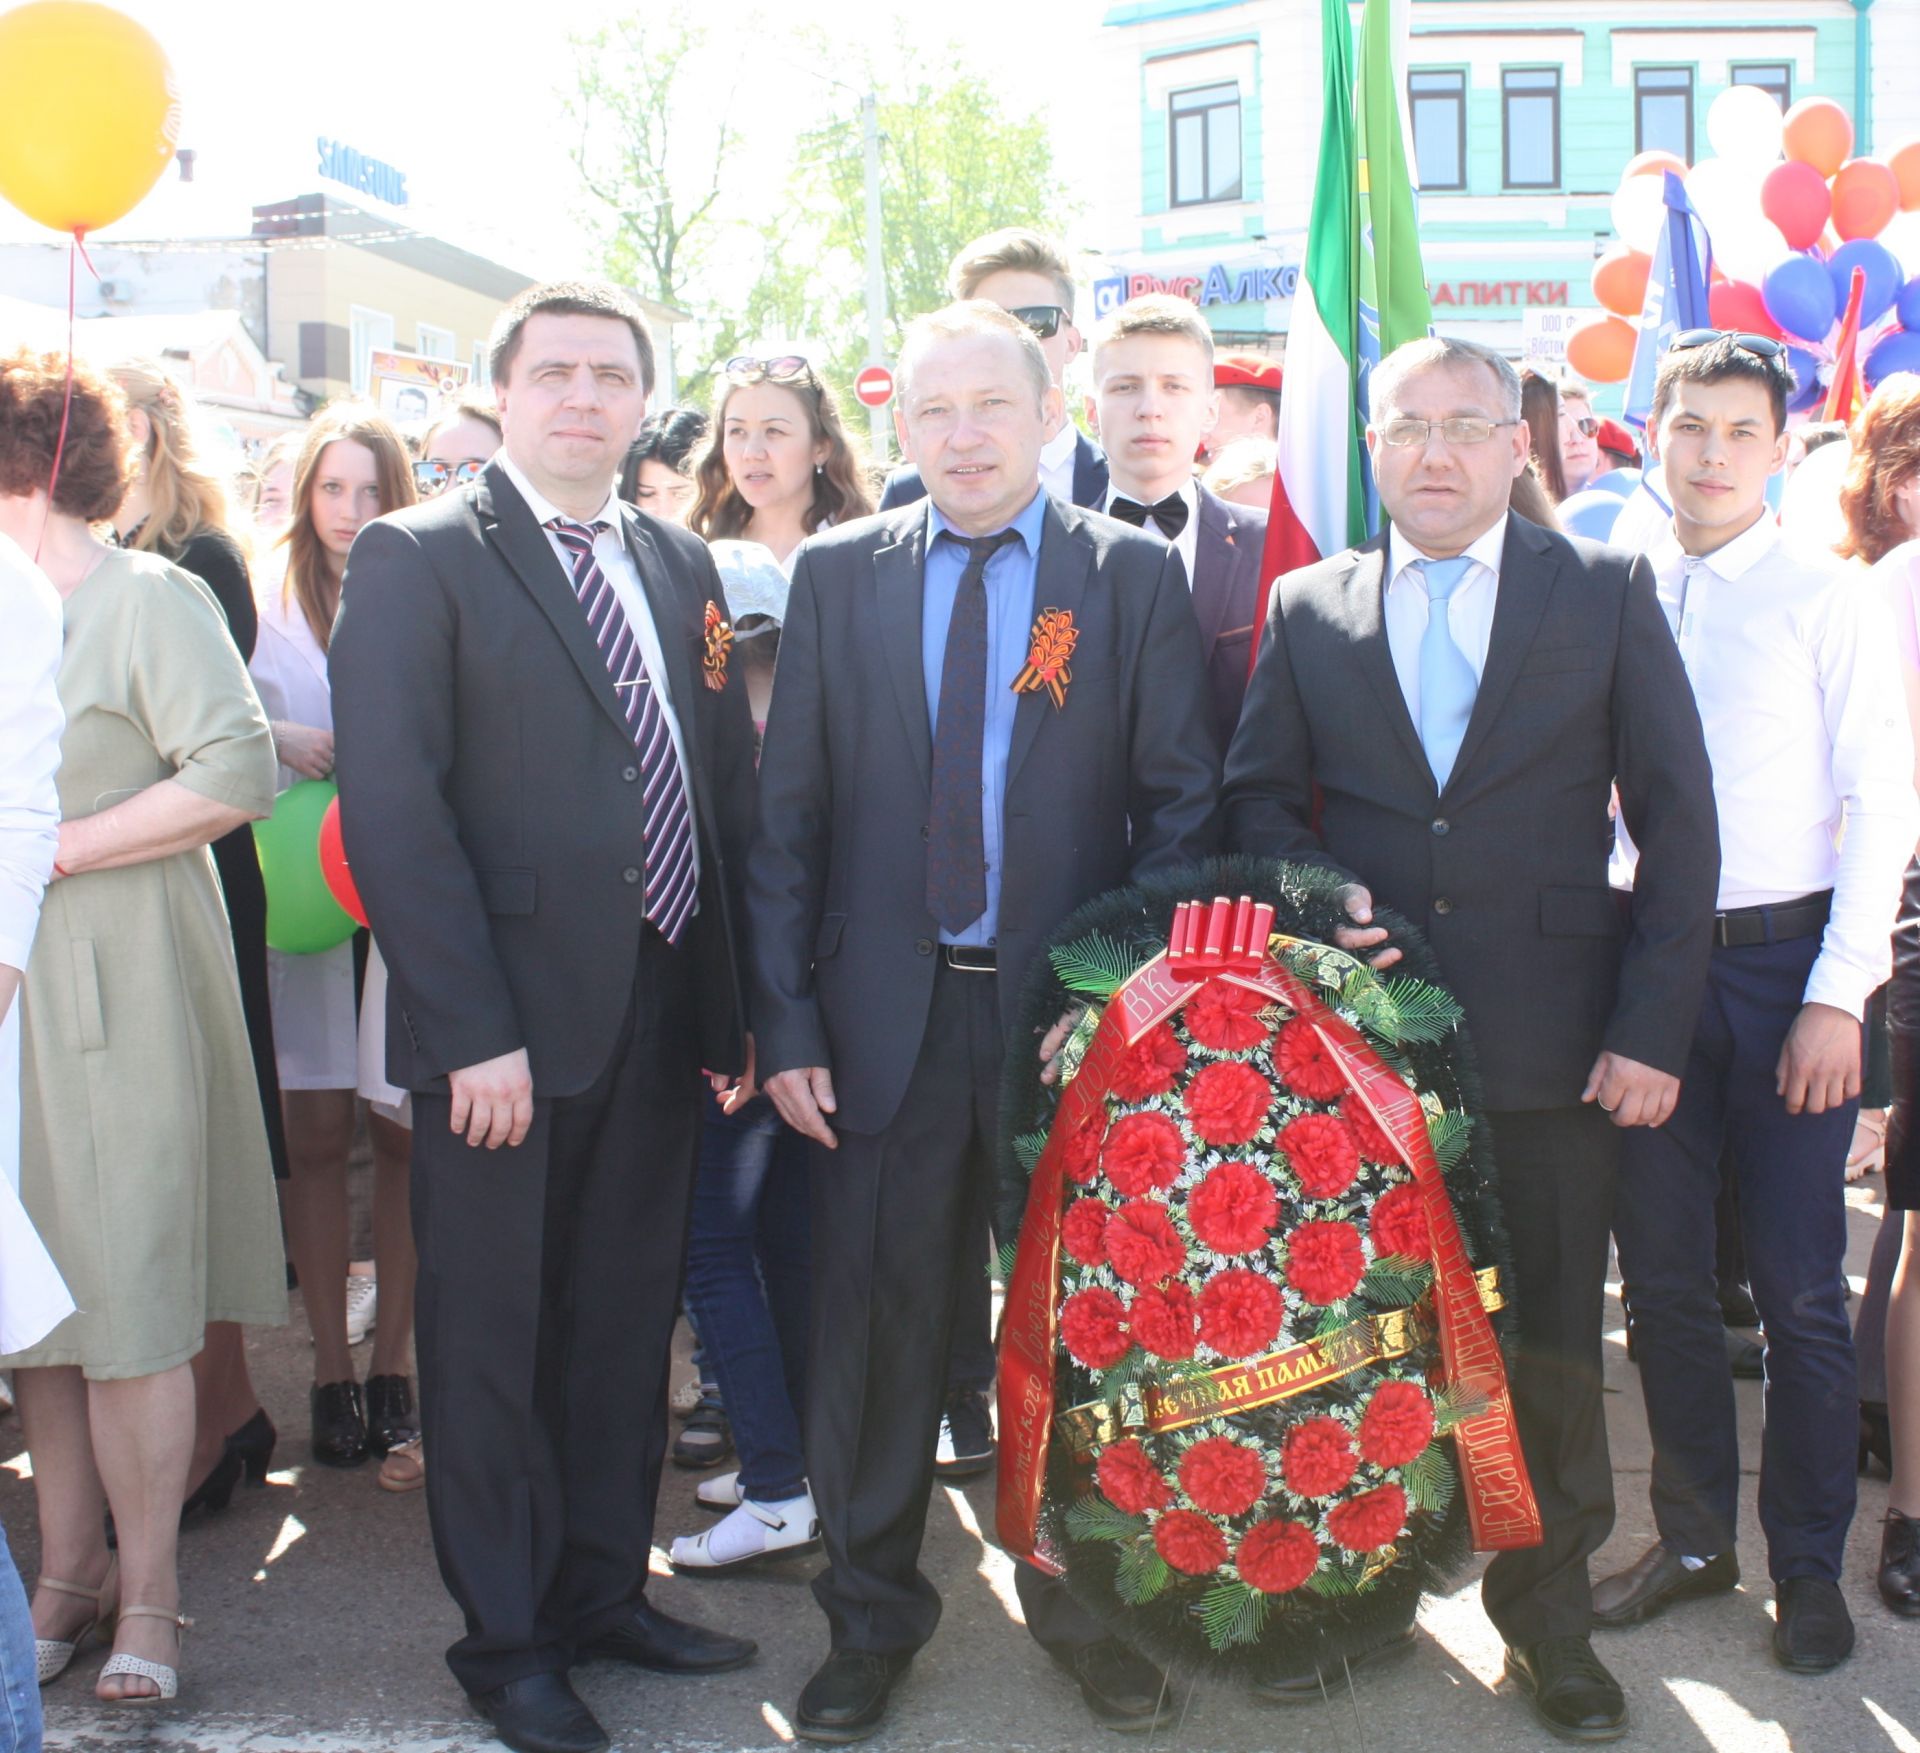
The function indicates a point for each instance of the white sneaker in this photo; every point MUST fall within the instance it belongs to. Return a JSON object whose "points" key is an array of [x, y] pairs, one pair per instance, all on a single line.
{"points": [[752, 1534], [719, 1493], [363, 1296]]}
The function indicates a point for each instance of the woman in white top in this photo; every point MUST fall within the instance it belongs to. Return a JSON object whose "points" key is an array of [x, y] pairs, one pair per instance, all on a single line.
{"points": [[351, 469]]}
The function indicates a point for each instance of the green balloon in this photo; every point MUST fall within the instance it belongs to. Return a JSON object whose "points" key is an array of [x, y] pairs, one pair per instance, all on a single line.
{"points": [[303, 918]]}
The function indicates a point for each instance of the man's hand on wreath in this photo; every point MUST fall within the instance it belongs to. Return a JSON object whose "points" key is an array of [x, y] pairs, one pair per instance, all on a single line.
{"points": [[804, 1097], [1054, 1043], [1820, 1064], [1629, 1093], [1363, 934]]}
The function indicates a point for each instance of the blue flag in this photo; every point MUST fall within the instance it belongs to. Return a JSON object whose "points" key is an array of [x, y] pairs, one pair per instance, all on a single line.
{"points": [[1676, 296]]}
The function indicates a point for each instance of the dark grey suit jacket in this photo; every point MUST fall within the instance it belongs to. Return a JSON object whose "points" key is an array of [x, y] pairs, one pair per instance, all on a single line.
{"points": [[1506, 869], [1120, 781], [489, 793], [1226, 598]]}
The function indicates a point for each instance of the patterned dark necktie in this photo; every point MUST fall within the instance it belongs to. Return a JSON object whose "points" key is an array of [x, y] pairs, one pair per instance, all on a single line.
{"points": [[956, 848], [672, 885], [1169, 513]]}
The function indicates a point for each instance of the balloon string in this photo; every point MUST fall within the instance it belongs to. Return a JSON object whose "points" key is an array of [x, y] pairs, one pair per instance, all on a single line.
{"points": [[66, 405]]}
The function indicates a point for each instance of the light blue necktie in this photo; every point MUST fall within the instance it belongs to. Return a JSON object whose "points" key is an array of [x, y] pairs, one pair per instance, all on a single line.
{"points": [[1447, 681]]}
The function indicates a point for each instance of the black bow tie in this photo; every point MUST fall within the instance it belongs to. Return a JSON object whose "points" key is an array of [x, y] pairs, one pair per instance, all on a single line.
{"points": [[1169, 513]]}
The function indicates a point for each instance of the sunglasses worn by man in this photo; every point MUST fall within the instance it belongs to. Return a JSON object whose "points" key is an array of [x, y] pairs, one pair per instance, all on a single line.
{"points": [[1043, 319], [432, 476]]}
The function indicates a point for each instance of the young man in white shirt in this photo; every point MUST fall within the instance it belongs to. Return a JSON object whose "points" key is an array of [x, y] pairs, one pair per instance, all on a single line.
{"points": [[1793, 669]]}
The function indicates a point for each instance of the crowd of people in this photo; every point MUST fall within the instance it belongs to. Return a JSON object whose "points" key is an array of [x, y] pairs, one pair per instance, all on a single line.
{"points": [[703, 835]]}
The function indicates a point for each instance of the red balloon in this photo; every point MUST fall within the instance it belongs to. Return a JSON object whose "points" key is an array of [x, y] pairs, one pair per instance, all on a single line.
{"points": [[1620, 280], [333, 864], [1601, 351], [1865, 196], [1734, 304], [1796, 198]]}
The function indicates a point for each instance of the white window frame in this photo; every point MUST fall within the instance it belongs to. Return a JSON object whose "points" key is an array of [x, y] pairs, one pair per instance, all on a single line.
{"points": [[364, 326]]}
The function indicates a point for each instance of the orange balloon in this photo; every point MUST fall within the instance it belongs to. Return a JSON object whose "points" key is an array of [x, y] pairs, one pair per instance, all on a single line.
{"points": [[1865, 196], [1601, 351], [1904, 162], [1620, 280], [1650, 164], [1820, 133]]}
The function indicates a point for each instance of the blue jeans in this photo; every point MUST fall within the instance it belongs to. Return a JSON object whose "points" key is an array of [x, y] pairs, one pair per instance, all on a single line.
{"points": [[748, 1286], [19, 1685]]}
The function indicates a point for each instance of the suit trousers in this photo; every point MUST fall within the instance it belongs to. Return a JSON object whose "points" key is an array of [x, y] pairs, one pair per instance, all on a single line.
{"points": [[1556, 1171], [891, 1240], [549, 1285], [1790, 1171]]}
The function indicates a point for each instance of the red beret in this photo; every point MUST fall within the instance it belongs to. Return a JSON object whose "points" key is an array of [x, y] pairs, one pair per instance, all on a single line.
{"points": [[1615, 437], [1254, 370]]}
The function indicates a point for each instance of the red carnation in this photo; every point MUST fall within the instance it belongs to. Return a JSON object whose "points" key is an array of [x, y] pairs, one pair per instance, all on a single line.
{"points": [[1324, 1262], [1091, 1324], [1223, 1477], [1233, 1209], [1369, 1521], [1317, 1458], [1324, 1154], [1142, 1243], [1398, 1223], [1397, 1425], [1276, 1557], [1164, 1320], [1083, 1234], [1083, 1149], [1143, 1152], [1190, 1542], [1227, 1102], [1305, 1065], [1239, 1312], [1374, 1144], [1150, 1066], [1130, 1479], [1226, 1017]]}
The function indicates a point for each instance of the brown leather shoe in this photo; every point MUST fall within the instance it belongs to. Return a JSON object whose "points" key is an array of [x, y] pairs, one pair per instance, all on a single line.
{"points": [[1655, 1582]]}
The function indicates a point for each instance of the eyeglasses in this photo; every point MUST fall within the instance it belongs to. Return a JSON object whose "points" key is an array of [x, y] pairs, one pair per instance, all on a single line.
{"points": [[1760, 346], [1043, 319], [1586, 426], [788, 368], [430, 476], [1461, 429]]}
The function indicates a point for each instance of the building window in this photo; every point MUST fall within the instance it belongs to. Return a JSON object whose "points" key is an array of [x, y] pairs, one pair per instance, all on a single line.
{"points": [[1205, 127], [1530, 102], [1663, 110], [482, 377], [369, 330], [1437, 103], [1775, 78], [436, 343]]}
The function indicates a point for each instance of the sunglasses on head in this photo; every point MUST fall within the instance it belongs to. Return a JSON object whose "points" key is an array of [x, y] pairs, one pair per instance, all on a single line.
{"points": [[788, 368], [1043, 319], [433, 477], [1760, 346]]}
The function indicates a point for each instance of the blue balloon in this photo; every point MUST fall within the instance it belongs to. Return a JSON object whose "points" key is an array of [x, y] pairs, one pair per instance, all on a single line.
{"points": [[1619, 482], [1799, 295], [1883, 277], [1806, 379], [1907, 306], [1897, 350], [1590, 513]]}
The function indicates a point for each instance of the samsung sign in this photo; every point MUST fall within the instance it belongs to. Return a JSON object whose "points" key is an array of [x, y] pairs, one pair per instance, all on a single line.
{"points": [[1217, 283], [340, 163]]}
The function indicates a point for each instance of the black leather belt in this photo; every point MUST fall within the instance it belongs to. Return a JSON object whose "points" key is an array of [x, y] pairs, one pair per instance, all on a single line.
{"points": [[1743, 927], [968, 959]]}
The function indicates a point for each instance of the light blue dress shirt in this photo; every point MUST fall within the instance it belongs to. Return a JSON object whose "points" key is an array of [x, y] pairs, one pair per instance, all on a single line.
{"points": [[1009, 585]]}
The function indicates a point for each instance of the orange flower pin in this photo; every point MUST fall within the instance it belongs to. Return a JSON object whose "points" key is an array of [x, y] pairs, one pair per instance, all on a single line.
{"points": [[719, 640], [1052, 641]]}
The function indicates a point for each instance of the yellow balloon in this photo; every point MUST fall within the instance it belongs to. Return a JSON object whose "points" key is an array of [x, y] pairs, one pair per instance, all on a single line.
{"points": [[89, 113]]}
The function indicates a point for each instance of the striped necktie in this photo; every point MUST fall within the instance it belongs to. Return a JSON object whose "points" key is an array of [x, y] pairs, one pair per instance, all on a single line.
{"points": [[672, 884]]}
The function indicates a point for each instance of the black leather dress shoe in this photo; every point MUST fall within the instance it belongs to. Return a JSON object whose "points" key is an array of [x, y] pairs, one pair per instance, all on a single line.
{"points": [[1570, 1689], [666, 1645], [1812, 1629], [339, 1424], [1122, 1688], [1307, 1688], [846, 1700], [1654, 1582], [541, 1714], [1900, 1564]]}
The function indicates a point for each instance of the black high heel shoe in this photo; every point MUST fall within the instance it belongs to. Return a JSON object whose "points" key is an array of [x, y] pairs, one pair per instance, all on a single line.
{"points": [[339, 1424], [253, 1442], [391, 1419], [1900, 1564], [1876, 1437], [214, 1492]]}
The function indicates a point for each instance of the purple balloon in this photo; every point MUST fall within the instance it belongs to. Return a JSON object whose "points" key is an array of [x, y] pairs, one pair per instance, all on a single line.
{"points": [[1883, 277], [1897, 350], [1799, 295], [1907, 306]]}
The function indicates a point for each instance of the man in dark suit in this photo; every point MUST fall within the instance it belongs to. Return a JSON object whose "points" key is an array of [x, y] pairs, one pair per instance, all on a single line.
{"points": [[936, 795], [1463, 691], [546, 803], [1153, 404], [1025, 274]]}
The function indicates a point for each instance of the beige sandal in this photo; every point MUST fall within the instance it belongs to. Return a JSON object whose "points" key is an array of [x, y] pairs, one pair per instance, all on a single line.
{"points": [[54, 1656], [1868, 1151], [405, 1468], [139, 1668]]}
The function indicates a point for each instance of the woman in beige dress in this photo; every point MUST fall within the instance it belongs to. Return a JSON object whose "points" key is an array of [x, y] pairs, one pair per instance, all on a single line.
{"points": [[144, 1159]]}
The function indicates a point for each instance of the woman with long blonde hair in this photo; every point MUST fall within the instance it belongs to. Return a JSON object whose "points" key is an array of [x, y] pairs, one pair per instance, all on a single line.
{"points": [[352, 468]]}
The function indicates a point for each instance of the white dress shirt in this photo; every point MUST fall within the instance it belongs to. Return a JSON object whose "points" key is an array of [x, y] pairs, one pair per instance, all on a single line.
{"points": [[1469, 609], [610, 549], [1187, 543], [1792, 657], [1056, 462]]}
